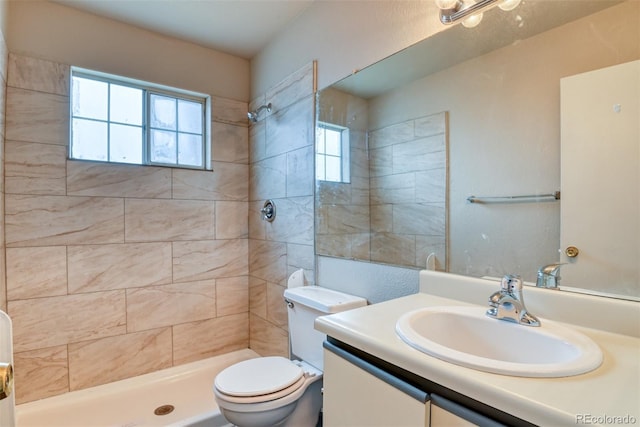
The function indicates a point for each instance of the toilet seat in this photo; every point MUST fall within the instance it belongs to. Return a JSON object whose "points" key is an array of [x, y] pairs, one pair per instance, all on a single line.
{"points": [[259, 380]]}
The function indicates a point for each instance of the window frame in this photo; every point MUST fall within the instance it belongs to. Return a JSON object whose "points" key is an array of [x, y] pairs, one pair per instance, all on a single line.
{"points": [[148, 90], [344, 156]]}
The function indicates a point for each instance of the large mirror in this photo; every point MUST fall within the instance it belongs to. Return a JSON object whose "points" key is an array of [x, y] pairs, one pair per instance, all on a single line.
{"points": [[403, 145]]}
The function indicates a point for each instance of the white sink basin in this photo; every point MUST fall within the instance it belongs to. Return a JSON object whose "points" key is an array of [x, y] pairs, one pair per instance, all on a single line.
{"points": [[467, 337]]}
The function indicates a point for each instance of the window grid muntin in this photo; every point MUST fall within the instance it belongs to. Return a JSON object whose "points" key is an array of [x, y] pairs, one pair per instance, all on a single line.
{"points": [[202, 135], [322, 154], [147, 88]]}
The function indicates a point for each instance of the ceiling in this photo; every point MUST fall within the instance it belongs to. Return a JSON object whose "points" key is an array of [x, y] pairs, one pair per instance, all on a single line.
{"points": [[238, 27]]}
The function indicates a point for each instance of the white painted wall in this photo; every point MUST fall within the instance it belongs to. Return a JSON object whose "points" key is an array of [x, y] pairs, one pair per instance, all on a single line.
{"points": [[343, 36], [58, 33]]}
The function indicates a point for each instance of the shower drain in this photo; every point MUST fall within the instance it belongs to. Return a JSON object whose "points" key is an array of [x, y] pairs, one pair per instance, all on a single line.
{"points": [[164, 410]]}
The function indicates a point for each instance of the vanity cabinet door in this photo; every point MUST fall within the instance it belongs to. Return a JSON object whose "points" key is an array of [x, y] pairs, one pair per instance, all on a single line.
{"points": [[357, 393], [445, 413]]}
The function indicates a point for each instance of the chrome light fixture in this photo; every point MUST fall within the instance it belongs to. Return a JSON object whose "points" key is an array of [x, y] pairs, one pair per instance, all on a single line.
{"points": [[470, 12]]}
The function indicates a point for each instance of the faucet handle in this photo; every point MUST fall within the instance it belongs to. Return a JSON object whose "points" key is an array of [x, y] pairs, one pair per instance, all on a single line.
{"points": [[511, 284], [548, 276]]}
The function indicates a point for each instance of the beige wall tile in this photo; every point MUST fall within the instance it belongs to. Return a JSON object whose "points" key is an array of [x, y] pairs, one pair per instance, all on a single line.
{"points": [[382, 218], [300, 180], [229, 111], [36, 272], [398, 188], [269, 179], [393, 248], [207, 338], [257, 226], [231, 220], [232, 295], [59, 220], [408, 191], [148, 220], [359, 153], [110, 359], [86, 178], [419, 218], [331, 193], [157, 306], [105, 267], [431, 186], [276, 307], [291, 130], [228, 181], [258, 297], [361, 246], [46, 322], [257, 141], [32, 168], [301, 256], [348, 219], [294, 221], [419, 155], [37, 117], [431, 125], [391, 135], [268, 339], [41, 373], [230, 143], [36, 74], [337, 245], [381, 161], [268, 260], [293, 88], [201, 260]]}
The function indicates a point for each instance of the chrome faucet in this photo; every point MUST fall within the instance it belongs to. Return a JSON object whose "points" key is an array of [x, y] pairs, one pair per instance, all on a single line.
{"points": [[508, 303], [549, 276]]}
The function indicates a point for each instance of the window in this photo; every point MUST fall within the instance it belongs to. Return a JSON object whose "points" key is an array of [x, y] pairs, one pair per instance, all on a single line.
{"points": [[119, 120], [332, 153]]}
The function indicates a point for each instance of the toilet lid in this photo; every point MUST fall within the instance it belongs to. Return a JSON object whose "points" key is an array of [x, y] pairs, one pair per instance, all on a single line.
{"points": [[255, 377]]}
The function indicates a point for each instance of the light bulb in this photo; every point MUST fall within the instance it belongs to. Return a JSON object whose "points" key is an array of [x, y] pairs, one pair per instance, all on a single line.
{"points": [[446, 4], [474, 19], [509, 4]]}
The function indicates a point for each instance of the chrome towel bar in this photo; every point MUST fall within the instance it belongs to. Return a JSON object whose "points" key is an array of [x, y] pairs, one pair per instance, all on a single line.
{"points": [[516, 199]]}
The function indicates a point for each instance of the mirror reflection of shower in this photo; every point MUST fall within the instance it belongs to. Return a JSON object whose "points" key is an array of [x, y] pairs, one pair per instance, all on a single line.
{"points": [[253, 115]]}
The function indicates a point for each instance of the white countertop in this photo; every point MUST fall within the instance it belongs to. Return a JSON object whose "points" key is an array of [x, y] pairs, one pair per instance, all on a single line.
{"points": [[612, 390]]}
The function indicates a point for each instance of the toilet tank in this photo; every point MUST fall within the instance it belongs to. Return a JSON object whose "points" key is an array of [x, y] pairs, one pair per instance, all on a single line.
{"points": [[304, 305]]}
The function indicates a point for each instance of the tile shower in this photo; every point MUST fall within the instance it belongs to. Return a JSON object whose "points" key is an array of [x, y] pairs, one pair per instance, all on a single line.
{"points": [[118, 270]]}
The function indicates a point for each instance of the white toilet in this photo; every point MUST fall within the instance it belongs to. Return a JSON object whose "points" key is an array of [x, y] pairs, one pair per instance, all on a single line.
{"points": [[275, 391]]}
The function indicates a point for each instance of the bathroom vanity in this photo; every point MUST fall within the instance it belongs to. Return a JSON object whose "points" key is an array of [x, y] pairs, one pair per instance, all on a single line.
{"points": [[373, 377]]}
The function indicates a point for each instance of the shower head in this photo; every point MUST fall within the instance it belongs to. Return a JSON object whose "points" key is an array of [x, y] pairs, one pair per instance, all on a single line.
{"points": [[253, 115]]}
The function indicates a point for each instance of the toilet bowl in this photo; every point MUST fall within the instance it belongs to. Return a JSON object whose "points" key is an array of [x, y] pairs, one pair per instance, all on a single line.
{"points": [[274, 390], [267, 390]]}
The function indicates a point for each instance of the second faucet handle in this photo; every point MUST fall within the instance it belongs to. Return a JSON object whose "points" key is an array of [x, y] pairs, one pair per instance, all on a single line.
{"points": [[549, 276]]}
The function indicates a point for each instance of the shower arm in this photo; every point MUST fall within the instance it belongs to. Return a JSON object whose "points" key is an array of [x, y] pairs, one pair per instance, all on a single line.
{"points": [[253, 115]]}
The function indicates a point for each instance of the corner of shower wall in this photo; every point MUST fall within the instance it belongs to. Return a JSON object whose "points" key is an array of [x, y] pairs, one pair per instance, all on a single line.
{"points": [[281, 169]]}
